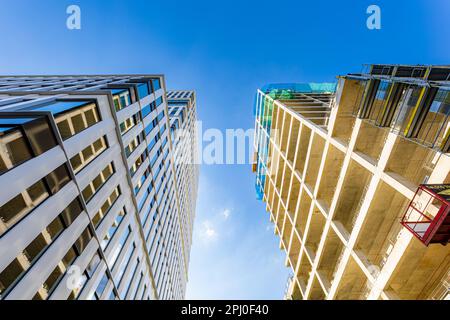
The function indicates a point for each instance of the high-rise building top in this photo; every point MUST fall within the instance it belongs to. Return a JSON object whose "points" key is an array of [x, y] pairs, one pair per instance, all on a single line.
{"points": [[91, 206], [339, 167]]}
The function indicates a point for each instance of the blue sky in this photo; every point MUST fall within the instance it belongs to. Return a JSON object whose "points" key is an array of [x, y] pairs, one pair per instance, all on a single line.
{"points": [[224, 50]]}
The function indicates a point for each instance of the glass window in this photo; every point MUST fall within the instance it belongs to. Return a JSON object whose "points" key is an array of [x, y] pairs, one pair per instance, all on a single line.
{"points": [[161, 116], [381, 96], [88, 154], [146, 111], [150, 127], [139, 161], [126, 289], [141, 277], [19, 206], [106, 206], [71, 212], [121, 98], [112, 230], [58, 178], [159, 101], [52, 281], [77, 119], [405, 108], [129, 123], [93, 264], [156, 83], [83, 240], [112, 296], [9, 275], [36, 248], [134, 144], [125, 263], [115, 254], [94, 186], [14, 149], [143, 90], [101, 286], [23, 138], [436, 122], [40, 135]]}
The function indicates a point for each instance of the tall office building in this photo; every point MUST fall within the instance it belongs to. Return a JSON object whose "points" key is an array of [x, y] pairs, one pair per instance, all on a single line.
{"points": [[93, 204], [183, 119], [356, 178]]}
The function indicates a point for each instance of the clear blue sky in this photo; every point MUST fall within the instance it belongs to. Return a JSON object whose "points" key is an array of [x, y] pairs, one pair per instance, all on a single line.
{"points": [[224, 50]]}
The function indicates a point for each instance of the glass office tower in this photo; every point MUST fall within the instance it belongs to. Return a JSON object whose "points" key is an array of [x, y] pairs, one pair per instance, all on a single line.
{"points": [[91, 200]]}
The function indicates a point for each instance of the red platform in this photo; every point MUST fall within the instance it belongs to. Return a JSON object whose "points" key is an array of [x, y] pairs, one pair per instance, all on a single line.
{"points": [[427, 216]]}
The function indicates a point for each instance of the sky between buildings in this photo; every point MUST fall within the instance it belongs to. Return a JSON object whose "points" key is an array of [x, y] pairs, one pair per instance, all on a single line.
{"points": [[224, 50]]}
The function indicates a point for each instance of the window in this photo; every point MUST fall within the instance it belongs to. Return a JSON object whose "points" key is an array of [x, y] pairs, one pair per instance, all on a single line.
{"points": [[162, 129], [112, 296], [55, 277], [143, 90], [125, 263], [141, 181], [126, 289], [22, 204], [153, 142], [52, 281], [435, 124], [112, 230], [381, 96], [88, 154], [150, 127], [147, 213], [115, 254], [144, 292], [159, 101], [76, 119], [83, 240], [141, 277], [157, 170], [14, 149], [405, 108], [93, 264], [164, 142], [58, 178], [146, 111], [105, 207], [22, 139], [101, 286], [134, 144], [129, 123], [155, 157], [87, 274], [121, 98], [139, 161], [156, 83], [95, 185]]}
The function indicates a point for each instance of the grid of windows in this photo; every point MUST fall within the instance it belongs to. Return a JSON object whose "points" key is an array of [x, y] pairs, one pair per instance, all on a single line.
{"points": [[23, 139], [18, 267]]}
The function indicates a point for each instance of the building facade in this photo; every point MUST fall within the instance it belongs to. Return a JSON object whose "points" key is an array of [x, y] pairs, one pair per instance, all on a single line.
{"points": [[338, 166], [91, 202]]}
